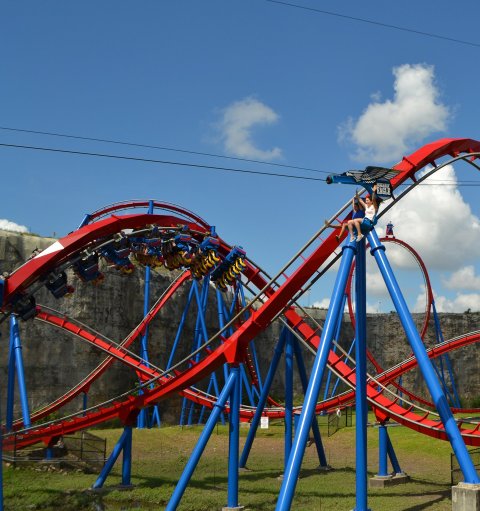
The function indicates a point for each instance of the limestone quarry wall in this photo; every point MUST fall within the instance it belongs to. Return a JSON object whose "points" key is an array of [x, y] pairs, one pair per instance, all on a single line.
{"points": [[54, 362]]}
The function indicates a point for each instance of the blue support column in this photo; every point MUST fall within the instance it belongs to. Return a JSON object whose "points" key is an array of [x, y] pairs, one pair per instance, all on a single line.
{"points": [[301, 436], [11, 381], [361, 410], [85, 403], [451, 428], [181, 325], [393, 456], [85, 220], [125, 438], [316, 430], [263, 399], [440, 339], [247, 386], [233, 439], [202, 442], [337, 336], [382, 451], [288, 396], [352, 345], [142, 419], [17, 346], [49, 453], [127, 457]]}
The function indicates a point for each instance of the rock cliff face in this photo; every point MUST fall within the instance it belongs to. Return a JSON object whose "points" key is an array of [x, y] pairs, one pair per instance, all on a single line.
{"points": [[54, 362]]}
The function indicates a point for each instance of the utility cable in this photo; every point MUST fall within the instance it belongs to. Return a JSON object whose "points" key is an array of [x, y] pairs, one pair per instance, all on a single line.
{"points": [[151, 160], [374, 22], [149, 146], [206, 167]]}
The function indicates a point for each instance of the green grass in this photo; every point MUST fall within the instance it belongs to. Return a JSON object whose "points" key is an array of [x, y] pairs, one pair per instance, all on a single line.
{"points": [[159, 457]]}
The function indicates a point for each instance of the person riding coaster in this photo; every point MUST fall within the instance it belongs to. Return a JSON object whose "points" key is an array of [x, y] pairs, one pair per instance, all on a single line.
{"points": [[365, 225]]}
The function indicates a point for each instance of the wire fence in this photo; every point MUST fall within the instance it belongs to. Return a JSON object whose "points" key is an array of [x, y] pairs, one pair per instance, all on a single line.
{"points": [[341, 418], [82, 448]]}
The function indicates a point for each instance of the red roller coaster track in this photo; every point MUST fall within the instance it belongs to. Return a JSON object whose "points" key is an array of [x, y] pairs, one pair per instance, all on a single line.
{"points": [[234, 347]]}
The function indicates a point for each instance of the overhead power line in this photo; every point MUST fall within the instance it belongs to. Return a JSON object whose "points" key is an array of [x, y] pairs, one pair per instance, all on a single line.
{"points": [[202, 166], [152, 160], [150, 146], [374, 22]]}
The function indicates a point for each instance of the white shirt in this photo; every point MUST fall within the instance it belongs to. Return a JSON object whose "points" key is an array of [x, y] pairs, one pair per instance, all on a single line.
{"points": [[370, 212]]}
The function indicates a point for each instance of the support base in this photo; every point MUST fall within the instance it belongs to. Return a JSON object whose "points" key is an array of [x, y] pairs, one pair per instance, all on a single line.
{"points": [[390, 480], [238, 508], [466, 497], [125, 487], [324, 468]]}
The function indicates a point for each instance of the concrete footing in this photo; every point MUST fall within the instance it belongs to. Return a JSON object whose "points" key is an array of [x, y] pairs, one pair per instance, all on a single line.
{"points": [[466, 497], [238, 508], [386, 481]]}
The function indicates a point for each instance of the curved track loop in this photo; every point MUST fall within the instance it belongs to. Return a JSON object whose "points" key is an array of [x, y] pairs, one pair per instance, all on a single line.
{"points": [[233, 349], [426, 278], [426, 319]]}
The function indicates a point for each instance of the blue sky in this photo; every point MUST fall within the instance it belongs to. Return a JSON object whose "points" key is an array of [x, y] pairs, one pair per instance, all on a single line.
{"points": [[251, 79]]}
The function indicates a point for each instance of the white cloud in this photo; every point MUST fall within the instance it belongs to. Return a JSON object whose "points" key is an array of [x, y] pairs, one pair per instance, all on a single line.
{"points": [[7, 225], [435, 220], [460, 303], [322, 304], [464, 278], [237, 123], [375, 284], [385, 130]]}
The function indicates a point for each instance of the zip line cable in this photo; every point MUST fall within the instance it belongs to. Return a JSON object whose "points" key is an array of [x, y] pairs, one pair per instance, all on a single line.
{"points": [[374, 22], [149, 146], [206, 167]]}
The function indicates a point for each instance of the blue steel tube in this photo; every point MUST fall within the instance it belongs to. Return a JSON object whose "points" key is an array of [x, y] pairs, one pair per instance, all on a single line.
{"points": [[20, 372], [263, 399], [361, 409], [146, 308], [301, 435], [111, 461], [11, 379], [127, 457], [288, 396], [337, 335], [85, 403], [221, 323], [85, 220], [316, 430], [142, 419], [202, 442], [233, 439], [181, 325], [382, 451], [393, 456], [453, 433]]}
